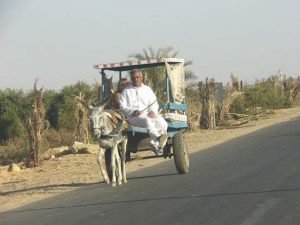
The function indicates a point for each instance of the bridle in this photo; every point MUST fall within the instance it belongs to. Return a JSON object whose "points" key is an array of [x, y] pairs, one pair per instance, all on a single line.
{"points": [[99, 122]]}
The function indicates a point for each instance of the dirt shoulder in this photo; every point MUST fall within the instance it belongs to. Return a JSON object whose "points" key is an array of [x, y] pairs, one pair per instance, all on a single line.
{"points": [[73, 171]]}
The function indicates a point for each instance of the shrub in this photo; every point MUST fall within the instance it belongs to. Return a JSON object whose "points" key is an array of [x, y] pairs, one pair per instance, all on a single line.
{"points": [[261, 97], [13, 151], [57, 138]]}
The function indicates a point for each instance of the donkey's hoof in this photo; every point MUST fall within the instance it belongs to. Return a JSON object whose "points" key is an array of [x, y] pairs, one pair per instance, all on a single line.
{"points": [[114, 184], [125, 181], [120, 182]]}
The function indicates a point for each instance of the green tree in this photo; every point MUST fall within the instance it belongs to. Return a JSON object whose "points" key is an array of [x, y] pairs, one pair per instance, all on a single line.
{"points": [[14, 110], [64, 104]]}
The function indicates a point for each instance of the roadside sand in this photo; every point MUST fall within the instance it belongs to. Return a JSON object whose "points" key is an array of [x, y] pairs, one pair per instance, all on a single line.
{"points": [[72, 171]]}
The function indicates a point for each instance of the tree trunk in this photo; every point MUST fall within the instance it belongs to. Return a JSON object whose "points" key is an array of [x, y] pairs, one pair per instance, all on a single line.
{"points": [[37, 125], [82, 121], [207, 120]]}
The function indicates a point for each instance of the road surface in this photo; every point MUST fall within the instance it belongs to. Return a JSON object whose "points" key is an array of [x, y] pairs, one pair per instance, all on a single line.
{"points": [[250, 180]]}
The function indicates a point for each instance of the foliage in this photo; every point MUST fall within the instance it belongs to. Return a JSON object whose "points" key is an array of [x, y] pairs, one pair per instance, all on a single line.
{"points": [[10, 125], [14, 109], [60, 106], [56, 138], [262, 96], [13, 151]]}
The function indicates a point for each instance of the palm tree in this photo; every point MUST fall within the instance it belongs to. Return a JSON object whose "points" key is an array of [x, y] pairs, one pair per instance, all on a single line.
{"points": [[155, 76]]}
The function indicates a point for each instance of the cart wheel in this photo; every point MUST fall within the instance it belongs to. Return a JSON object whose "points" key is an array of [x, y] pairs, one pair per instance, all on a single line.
{"points": [[181, 155], [108, 163]]}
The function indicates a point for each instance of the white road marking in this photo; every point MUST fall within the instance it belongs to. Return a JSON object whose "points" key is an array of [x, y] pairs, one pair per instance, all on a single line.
{"points": [[259, 213]]}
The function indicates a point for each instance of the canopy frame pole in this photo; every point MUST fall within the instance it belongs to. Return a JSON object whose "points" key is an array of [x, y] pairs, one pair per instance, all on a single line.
{"points": [[103, 78]]}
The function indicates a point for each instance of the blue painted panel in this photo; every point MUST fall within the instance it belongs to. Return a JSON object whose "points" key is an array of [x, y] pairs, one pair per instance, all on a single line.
{"points": [[173, 106], [178, 124]]}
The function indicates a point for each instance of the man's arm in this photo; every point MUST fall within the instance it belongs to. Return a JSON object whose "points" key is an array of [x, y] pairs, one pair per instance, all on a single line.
{"points": [[124, 104]]}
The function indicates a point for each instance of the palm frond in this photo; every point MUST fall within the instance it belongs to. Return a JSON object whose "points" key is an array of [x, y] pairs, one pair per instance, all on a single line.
{"points": [[174, 55], [169, 49], [137, 56], [188, 62], [158, 53], [152, 52], [189, 75], [146, 54], [166, 51]]}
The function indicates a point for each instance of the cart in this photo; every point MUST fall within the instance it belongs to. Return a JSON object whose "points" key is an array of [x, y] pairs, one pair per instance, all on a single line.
{"points": [[174, 108]]}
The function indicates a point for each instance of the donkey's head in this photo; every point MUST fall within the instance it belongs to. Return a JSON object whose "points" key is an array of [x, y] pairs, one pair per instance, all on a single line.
{"points": [[99, 118]]}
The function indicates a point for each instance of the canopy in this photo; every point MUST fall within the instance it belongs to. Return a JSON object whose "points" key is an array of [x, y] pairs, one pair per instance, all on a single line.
{"points": [[130, 65]]}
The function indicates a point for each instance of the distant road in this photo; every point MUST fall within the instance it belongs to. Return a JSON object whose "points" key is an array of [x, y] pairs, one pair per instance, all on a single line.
{"points": [[251, 180]]}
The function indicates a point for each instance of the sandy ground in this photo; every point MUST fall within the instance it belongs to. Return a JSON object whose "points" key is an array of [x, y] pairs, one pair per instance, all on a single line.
{"points": [[72, 171]]}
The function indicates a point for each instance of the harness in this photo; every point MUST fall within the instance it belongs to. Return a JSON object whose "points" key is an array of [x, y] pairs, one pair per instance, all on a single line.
{"points": [[119, 122]]}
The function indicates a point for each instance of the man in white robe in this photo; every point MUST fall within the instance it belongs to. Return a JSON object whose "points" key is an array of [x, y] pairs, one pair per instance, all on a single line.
{"points": [[139, 104]]}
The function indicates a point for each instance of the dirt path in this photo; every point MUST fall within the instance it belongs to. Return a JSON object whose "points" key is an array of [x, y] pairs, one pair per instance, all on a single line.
{"points": [[73, 171]]}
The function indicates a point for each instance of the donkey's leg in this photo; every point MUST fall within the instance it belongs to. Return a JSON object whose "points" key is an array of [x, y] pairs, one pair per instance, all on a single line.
{"points": [[118, 166], [123, 158], [113, 165], [102, 167]]}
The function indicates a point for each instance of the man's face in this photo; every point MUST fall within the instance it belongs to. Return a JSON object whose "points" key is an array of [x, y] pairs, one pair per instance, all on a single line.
{"points": [[137, 79]]}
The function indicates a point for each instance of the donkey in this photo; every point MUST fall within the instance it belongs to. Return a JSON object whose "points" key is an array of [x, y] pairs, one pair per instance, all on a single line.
{"points": [[108, 128]]}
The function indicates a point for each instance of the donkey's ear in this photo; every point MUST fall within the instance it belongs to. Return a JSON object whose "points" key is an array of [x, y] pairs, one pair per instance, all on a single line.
{"points": [[105, 102]]}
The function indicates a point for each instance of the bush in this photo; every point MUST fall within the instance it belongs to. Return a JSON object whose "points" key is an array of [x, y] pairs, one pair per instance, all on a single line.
{"points": [[13, 151], [57, 138], [263, 96], [238, 105], [14, 110]]}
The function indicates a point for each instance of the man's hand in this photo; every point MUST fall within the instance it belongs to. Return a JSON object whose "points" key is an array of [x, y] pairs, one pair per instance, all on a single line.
{"points": [[151, 114], [137, 113]]}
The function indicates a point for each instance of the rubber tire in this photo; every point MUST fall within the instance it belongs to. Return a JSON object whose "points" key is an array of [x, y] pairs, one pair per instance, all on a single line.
{"points": [[107, 157], [181, 155]]}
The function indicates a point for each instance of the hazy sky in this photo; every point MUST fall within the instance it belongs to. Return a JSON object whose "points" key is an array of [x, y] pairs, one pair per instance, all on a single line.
{"points": [[59, 41]]}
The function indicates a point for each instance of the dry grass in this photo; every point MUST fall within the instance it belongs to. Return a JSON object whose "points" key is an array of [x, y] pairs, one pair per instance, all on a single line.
{"points": [[57, 138], [13, 151]]}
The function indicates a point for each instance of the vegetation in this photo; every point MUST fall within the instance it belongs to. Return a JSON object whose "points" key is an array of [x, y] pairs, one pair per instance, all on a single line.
{"points": [[262, 96], [60, 112], [63, 113]]}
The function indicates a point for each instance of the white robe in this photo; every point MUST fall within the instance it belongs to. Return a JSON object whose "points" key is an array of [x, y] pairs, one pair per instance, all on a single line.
{"points": [[143, 99]]}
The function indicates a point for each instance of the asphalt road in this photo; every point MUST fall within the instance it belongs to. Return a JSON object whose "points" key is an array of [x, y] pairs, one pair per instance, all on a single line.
{"points": [[254, 179]]}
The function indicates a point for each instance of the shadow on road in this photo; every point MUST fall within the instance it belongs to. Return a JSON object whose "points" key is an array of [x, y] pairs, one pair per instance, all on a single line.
{"points": [[48, 187], [151, 176], [183, 197], [56, 186]]}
